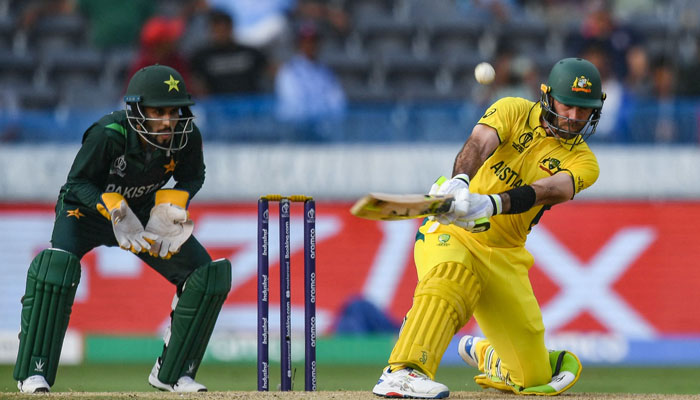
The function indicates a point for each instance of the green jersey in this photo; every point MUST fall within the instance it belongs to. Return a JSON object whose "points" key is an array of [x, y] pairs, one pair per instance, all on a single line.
{"points": [[112, 158]]}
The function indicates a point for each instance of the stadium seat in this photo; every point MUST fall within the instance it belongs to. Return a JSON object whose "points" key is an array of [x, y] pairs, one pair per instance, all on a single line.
{"points": [[37, 98], [411, 77], [7, 31], [16, 70], [523, 35], [454, 38], [72, 68], [352, 71], [385, 36], [57, 33]]}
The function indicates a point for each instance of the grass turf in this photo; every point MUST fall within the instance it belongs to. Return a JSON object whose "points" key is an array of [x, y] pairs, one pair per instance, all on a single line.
{"points": [[243, 377]]}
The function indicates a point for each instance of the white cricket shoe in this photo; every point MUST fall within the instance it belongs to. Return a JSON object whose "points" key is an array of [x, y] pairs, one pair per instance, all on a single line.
{"points": [[467, 349], [409, 382], [34, 384], [183, 385]]}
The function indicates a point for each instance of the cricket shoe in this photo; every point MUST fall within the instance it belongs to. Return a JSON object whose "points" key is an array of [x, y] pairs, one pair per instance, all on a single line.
{"points": [[183, 385], [409, 383], [34, 384], [467, 349]]}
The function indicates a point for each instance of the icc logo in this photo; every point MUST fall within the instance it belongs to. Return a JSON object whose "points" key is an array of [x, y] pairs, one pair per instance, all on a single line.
{"points": [[523, 142], [118, 166]]}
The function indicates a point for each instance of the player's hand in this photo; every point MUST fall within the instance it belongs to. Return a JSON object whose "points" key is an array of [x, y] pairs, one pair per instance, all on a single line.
{"points": [[452, 186], [448, 186], [170, 223], [128, 229], [479, 208]]}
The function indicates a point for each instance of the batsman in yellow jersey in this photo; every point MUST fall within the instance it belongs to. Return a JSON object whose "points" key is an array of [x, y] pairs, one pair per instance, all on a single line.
{"points": [[521, 158]]}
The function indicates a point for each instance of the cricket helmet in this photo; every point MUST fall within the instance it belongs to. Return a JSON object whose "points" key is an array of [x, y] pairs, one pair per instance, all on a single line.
{"points": [[159, 86], [574, 82]]}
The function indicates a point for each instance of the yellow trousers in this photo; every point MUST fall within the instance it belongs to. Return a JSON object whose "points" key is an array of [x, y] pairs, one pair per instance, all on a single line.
{"points": [[506, 310]]}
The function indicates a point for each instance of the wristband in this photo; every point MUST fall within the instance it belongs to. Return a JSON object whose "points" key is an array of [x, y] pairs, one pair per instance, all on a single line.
{"points": [[173, 196], [521, 199], [462, 177]]}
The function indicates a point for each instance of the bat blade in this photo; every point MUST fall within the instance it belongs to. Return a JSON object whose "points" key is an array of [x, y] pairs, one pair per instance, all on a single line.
{"points": [[394, 207]]}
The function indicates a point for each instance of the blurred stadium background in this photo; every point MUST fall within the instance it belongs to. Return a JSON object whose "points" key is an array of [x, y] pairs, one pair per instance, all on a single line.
{"points": [[616, 271]]}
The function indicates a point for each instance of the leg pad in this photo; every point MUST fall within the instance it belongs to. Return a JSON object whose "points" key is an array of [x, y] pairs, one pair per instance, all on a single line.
{"points": [[193, 320], [52, 281], [443, 302]]}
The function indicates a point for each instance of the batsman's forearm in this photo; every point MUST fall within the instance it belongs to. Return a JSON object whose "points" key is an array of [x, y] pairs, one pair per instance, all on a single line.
{"points": [[469, 160]]}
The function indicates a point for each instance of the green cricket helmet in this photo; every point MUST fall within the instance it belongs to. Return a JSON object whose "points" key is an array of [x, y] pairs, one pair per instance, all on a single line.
{"points": [[159, 86], [574, 82]]}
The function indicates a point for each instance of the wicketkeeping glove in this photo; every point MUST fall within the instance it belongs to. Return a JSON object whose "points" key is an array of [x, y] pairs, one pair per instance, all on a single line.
{"points": [[127, 228], [170, 222]]}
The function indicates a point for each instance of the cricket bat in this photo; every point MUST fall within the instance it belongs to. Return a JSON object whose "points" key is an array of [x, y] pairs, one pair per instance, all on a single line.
{"points": [[394, 207]]}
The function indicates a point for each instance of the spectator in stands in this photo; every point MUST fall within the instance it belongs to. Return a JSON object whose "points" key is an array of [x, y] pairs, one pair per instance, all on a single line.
{"points": [[637, 83], [600, 28], [609, 124], [263, 24], [305, 88], [661, 118], [327, 15], [159, 39], [224, 66], [115, 24]]}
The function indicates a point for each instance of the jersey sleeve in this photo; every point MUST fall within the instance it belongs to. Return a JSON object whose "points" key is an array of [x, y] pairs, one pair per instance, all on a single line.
{"points": [[584, 171], [90, 167], [189, 174], [503, 115]]}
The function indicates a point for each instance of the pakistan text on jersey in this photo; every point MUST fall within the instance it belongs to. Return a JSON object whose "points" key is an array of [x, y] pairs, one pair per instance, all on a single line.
{"points": [[507, 174], [131, 192]]}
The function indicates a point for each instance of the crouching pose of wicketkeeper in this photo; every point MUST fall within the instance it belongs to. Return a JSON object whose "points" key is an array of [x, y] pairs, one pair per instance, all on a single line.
{"points": [[114, 196]]}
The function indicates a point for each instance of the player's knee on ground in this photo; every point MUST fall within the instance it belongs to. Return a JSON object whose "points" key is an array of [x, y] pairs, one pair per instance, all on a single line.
{"points": [[52, 281], [566, 369], [443, 302], [193, 320]]}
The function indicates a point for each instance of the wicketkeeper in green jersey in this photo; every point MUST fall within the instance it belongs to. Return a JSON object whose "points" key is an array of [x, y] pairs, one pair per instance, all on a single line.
{"points": [[521, 158], [115, 196]]}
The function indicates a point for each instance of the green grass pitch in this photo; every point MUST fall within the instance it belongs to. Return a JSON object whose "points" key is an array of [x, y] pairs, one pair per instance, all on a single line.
{"points": [[242, 377]]}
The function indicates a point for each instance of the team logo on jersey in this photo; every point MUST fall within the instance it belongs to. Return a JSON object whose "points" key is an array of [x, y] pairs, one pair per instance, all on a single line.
{"points": [[523, 142], [550, 165], [489, 113], [170, 167], [581, 84], [443, 239], [74, 213], [118, 167], [172, 84]]}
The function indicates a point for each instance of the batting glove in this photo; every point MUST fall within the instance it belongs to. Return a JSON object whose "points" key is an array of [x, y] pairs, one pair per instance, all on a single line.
{"points": [[169, 222], [449, 186], [479, 208], [126, 226]]}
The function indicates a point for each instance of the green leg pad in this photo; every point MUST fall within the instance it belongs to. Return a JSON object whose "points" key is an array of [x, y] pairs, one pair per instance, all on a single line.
{"points": [[52, 281], [193, 320]]}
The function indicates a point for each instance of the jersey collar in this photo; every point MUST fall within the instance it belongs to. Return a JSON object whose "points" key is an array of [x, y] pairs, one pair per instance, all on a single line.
{"points": [[534, 120]]}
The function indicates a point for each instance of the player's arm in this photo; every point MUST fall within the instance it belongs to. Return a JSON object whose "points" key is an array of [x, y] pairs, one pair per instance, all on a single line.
{"points": [[478, 147], [189, 172], [473, 210], [551, 190], [91, 167]]}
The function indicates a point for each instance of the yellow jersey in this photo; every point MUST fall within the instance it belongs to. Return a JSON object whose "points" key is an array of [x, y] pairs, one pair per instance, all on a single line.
{"points": [[525, 154]]}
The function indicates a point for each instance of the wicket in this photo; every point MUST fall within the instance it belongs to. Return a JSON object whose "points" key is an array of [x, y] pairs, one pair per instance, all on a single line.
{"points": [[285, 291]]}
